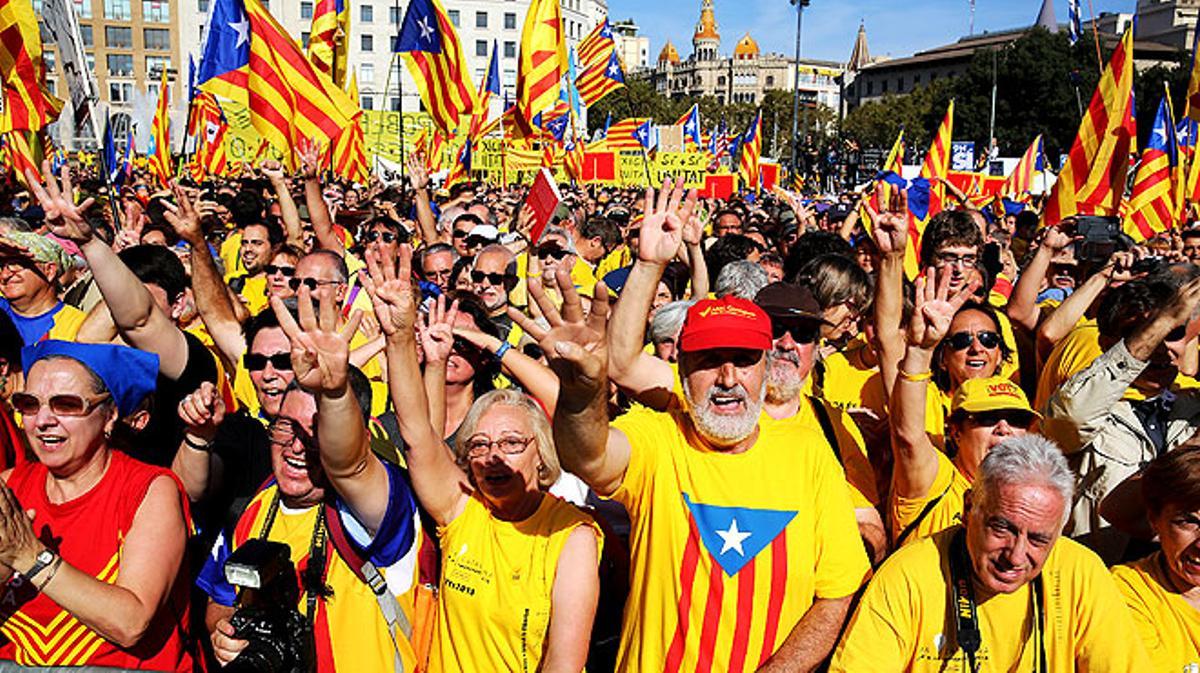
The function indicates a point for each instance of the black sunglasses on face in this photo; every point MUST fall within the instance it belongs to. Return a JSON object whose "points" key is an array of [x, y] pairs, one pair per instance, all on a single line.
{"points": [[961, 341], [1014, 417], [386, 236], [492, 278], [272, 269], [461, 233], [256, 362], [802, 332], [554, 252], [312, 283]]}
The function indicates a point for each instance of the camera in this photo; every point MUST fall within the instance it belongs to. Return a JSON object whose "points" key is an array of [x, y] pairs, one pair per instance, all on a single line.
{"points": [[281, 639], [1101, 237]]}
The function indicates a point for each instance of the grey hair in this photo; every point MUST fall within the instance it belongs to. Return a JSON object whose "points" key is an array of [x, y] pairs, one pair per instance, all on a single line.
{"points": [[742, 278], [555, 230], [1025, 459], [543, 437], [668, 320]]}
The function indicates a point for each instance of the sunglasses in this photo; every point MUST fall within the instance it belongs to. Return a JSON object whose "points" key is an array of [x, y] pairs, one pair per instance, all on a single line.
{"points": [[256, 362], [272, 269], [464, 347], [492, 278], [385, 236], [461, 233], [1176, 334], [312, 283], [554, 252], [1014, 417], [60, 405], [961, 341], [802, 332]]}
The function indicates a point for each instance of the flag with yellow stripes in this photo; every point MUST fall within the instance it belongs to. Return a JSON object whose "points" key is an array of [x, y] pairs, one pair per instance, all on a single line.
{"points": [[435, 59], [327, 41], [543, 60], [28, 103]]}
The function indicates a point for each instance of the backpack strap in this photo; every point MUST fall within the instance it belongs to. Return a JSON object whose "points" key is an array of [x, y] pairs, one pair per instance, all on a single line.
{"points": [[826, 424], [912, 527], [368, 574]]}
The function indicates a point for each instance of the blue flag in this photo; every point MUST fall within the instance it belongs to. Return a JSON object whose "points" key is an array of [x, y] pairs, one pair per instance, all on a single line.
{"points": [[420, 30], [227, 47], [493, 76], [644, 134]]}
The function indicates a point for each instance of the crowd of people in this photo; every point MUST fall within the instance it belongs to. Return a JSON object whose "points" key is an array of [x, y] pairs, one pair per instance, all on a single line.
{"points": [[282, 423]]}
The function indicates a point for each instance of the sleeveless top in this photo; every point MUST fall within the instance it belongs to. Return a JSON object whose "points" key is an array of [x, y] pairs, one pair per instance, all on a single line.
{"points": [[88, 532]]}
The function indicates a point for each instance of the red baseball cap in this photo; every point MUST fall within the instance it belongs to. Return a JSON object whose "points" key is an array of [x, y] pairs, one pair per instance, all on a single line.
{"points": [[729, 322]]}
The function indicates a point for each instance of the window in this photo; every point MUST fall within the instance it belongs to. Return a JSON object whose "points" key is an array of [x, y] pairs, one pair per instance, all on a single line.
{"points": [[481, 48], [883, 86], [394, 104], [510, 50], [870, 88], [120, 65], [721, 80], [304, 39], [120, 92], [368, 43], [117, 9], [91, 61], [86, 31], [157, 38], [156, 11], [394, 16], [366, 102], [481, 19], [510, 21], [900, 85], [366, 13], [83, 8], [306, 10], [916, 80], [50, 58], [366, 73], [118, 37], [453, 16], [202, 5], [155, 65], [770, 80]]}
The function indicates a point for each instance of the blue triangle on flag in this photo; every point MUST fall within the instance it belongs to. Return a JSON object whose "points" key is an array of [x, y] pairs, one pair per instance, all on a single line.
{"points": [[735, 535]]}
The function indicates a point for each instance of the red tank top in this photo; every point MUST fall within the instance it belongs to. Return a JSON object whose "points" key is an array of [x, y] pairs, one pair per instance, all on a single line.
{"points": [[88, 532]]}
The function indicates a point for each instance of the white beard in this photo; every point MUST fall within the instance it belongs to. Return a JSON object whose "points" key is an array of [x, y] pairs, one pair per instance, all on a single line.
{"points": [[721, 429]]}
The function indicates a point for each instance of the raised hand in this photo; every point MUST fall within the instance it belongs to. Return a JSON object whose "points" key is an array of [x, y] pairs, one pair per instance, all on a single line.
{"points": [[320, 351], [575, 344], [662, 228], [63, 217], [389, 284], [1183, 306], [1055, 239], [418, 175], [890, 227], [202, 411], [184, 218], [436, 330], [309, 152], [935, 308], [272, 169]]}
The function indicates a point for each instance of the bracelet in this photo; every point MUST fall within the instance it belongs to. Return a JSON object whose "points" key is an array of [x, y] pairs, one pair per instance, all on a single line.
{"points": [[504, 347], [58, 561], [916, 378], [199, 446]]}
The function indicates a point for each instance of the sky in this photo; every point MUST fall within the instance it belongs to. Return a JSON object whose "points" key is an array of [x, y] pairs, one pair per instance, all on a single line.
{"points": [[894, 27]]}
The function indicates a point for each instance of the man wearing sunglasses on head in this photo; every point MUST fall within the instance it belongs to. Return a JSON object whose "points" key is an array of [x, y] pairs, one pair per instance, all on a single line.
{"points": [[1126, 407]]}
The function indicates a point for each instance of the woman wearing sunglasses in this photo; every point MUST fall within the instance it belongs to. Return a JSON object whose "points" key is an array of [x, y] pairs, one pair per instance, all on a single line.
{"points": [[928, 486], [520, 583], [281, 270], [101, 555]]}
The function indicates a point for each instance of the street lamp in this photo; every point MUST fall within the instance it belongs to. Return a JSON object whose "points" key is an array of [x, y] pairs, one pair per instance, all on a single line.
{"points": [[800, 5]]}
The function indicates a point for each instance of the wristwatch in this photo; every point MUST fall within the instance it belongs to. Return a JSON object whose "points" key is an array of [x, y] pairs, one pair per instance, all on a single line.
{"points": [[44, 558]]}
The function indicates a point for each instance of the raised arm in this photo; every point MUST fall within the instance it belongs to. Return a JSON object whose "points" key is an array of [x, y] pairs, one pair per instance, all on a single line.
{"points": [[137, 317], [1022, 306], [201, 413], [321, 362], [536, 378], [318, 211], [418, 175], [1067, 315], [288, 212], [693, 238], [440, 484], [645, 377], [916, 457], [890, 229]]}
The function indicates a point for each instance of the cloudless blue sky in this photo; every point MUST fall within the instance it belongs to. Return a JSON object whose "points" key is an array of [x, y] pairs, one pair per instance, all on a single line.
{"points": [[894, 27]]}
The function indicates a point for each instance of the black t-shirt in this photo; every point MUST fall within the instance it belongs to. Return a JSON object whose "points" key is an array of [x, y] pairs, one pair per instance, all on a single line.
{"points": [[244, 447]]}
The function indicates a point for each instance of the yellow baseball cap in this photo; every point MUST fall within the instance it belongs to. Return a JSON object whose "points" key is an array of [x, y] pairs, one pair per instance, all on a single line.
{"points": [[990, 394]]}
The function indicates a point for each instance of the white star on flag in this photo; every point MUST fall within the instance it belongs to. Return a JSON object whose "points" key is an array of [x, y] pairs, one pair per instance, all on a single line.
{"points": [[613, 70], [1162, 133], [426, 29], [242, 28], [732, 538]]}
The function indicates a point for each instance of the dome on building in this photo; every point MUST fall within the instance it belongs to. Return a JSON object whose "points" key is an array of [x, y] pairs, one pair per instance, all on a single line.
{"points": [[706, 28], [668, 54], [746, 48]]}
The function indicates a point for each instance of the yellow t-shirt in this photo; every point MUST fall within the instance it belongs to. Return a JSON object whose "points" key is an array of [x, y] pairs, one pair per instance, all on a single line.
{"points": [[950, 487], [254, 294], [728, 551], [66, 323], [1073, 354], [231, 254], [494, 606], [1169, 626], [903, 622], [849, 383], [583, 276], [617, 259], [860, 477]]}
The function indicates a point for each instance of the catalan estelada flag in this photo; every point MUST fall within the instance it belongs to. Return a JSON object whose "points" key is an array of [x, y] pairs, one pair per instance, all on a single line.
{"points": [[1185, 135], [19, 156], [327, 41], [597, 82], [690, 121], [1191, 107], [620, 136], [1020, 181], [1092, 181], [751, 151], [597, 46], [435, 58], [160, 135], [28, 103], [920, 210], [543, 60], [1152, 203], [490, 86]]}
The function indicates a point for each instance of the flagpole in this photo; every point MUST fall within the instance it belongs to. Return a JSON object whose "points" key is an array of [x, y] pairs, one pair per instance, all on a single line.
{"points": [[107, 170], [1096, 38], [399, 78]]}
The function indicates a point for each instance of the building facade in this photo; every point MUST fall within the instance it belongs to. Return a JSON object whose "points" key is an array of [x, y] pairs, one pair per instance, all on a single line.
{"points": [[1171, 22], [632, 49]]}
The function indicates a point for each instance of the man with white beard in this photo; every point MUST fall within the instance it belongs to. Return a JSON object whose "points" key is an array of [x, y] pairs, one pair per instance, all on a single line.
{"points": [[728, 513], [796, 320]]}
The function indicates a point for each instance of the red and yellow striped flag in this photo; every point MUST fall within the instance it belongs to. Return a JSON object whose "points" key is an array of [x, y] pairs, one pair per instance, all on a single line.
{"points": [[596, 48], [28, 103], [1020, 181], [350, 150], [160, 135], [19, 156], [935, 168], [1092, 181], [1151, 205], [543, 59], [751, 151], [327, 41], [435, 58], [289, 100], [619, 136]]}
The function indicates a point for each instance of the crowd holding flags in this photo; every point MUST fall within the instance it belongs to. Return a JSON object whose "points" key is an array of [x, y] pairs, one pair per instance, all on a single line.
{"points": [[748, 167], [1152, 203]]}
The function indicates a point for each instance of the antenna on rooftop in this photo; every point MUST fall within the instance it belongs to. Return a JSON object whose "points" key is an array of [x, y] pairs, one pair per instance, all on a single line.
{"points": [[971, 29]]}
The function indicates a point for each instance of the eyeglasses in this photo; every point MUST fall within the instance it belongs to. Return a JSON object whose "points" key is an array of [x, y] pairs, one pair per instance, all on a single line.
{"points": [[477, 447], [386, 236], [1176, 334], [951, 259], [1017, 418], [256, 362], [272, 269], [461, 233], [492, 278], [312, 283], [802, 332], [60, 405], [284, 431], [961, 341], [554, 252]]}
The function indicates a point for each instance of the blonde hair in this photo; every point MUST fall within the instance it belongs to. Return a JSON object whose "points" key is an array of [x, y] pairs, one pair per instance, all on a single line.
{"points": [[550, 471]]}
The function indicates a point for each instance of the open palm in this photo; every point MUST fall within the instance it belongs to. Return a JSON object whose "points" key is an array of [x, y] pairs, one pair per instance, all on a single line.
{"points": [[63, 217], [320, 351], [935, 307], [389, 284], [662, 228]]}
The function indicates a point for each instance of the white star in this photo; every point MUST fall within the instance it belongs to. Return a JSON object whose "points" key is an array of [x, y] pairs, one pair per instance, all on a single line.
{"points": [[690, 127], [733, 538], [1183, 133], [1162, 133], [613, 70], [426, 29], [242, 28]]}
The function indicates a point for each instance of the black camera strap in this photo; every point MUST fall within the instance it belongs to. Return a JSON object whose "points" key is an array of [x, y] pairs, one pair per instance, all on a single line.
{"points": [[317, 555], [966, 617]]}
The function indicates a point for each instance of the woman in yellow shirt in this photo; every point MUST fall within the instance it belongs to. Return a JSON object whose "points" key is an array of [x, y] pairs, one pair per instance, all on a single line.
{"points": [[520, 579], [1163, 589]]}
